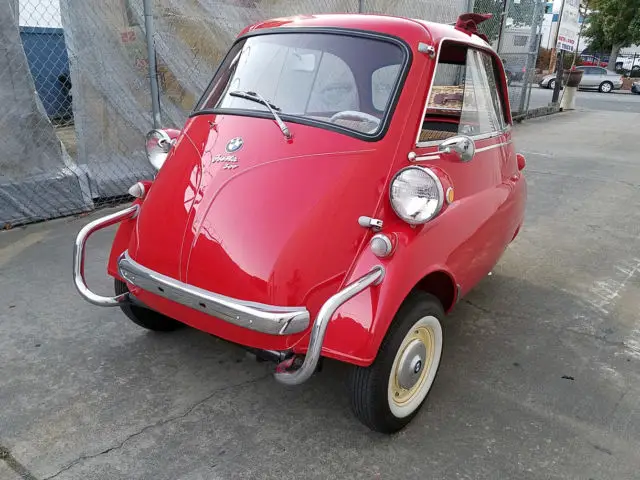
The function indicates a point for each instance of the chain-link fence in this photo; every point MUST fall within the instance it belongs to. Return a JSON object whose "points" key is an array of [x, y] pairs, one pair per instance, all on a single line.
{"points": [[75, 82], [514, 32]]}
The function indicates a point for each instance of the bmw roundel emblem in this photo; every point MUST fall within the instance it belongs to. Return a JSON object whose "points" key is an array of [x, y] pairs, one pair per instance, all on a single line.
{"points": [[235, 144]]}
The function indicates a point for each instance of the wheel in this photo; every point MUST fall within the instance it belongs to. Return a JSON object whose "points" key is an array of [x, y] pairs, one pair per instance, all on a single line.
{"points": [[551, 85], [386, 395], [606, 87], [144, 317]]}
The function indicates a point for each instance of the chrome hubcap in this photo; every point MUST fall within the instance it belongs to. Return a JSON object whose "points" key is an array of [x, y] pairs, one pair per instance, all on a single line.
{"points": [[411, 364]]}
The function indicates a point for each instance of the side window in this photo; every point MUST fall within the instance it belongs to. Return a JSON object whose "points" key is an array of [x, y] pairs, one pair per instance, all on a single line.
{"points": [[382, 82], [495, 88], [464, 97]]}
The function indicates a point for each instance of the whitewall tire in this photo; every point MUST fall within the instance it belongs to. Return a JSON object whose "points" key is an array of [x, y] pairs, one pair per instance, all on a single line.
{"points": [[386, 395], [414, 367]]}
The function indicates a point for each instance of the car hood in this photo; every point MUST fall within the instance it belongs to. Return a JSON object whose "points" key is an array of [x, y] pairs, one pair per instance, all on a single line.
{"points": [[274, 222]]}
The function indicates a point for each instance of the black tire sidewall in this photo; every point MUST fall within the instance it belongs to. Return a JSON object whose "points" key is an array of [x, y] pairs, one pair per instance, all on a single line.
{"points": [[415, 307], [143, 317], [610, 87]]}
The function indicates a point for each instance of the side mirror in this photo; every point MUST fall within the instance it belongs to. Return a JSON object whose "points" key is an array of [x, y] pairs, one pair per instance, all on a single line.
{"points": [[461, 146]]}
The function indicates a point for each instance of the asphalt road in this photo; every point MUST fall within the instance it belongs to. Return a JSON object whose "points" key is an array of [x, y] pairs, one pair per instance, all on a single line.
{"points": [[589, 100], [540, 377]]}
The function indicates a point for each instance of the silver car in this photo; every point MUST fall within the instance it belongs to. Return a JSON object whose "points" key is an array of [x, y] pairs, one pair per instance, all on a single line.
{"points": [[593, 78]]}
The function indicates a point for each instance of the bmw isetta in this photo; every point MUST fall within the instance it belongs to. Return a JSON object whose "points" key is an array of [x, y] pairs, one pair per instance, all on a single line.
{"points": [[342, 182]]}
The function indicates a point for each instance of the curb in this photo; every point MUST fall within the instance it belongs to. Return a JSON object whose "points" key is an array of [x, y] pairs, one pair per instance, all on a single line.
{"points": [[538, 112]]}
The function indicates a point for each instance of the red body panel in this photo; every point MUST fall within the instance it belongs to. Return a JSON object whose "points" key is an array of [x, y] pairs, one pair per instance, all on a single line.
{"points": [[281, 226]]}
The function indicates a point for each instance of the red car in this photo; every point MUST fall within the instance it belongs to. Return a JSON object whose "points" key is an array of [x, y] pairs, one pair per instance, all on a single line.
{"points": [[343, 181]]}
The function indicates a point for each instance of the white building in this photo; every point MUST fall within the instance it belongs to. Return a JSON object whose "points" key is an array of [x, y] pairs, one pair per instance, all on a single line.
{"points": [[39, 13]]}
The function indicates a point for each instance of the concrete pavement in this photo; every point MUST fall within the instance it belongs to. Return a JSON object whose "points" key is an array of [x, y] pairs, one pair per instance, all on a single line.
{"points": [[540, 377]]}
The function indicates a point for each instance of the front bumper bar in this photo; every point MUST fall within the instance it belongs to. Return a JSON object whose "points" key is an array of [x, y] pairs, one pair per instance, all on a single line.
{"points": [[273, 320], [79, 252], [250, 315]]}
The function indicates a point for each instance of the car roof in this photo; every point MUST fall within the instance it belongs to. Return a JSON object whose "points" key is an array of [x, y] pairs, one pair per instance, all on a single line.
{"points": [[403, 27]]}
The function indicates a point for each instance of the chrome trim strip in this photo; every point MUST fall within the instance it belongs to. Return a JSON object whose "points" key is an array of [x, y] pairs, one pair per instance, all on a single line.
{"points": [[79, 252], [374, 277], [426, 158], [490, 147], [482, 136], [254, 316], [435, 156]]}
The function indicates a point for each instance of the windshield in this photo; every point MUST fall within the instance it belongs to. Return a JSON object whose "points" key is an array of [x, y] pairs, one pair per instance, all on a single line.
{"points": [[330, 80]]}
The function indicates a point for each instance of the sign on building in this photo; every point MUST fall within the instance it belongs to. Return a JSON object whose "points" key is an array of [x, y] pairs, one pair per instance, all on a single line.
{"points": [[569, 27]]}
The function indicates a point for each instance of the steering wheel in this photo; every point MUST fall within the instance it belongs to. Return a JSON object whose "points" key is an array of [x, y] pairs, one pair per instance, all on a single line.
{"points": [[355, 115]]}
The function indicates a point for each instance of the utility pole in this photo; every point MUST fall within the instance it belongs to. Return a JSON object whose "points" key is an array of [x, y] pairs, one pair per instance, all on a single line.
{"points": [[554, 47], [560, 62], [151, 53]]}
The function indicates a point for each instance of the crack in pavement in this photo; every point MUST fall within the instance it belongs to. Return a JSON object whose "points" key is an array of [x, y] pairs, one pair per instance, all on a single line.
{"points": [[159, 423]]}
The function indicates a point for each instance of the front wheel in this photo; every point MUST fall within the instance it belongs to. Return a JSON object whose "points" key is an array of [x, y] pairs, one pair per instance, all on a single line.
{"points": [[387, 395], [551, 85], [143, 317], [606, 87]]}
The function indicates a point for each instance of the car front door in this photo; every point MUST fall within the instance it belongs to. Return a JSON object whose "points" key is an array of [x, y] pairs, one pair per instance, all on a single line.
{"points": [[463, 101], [590, 78]]}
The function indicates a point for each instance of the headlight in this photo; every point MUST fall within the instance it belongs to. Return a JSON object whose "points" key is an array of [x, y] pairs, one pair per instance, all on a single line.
{"points": [[158, 145], [416, 194]]}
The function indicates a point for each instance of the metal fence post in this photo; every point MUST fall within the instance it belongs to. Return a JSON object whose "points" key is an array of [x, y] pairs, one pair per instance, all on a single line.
{"points": [[360, 6], [151, 52], [503, 22], [531, 59]]}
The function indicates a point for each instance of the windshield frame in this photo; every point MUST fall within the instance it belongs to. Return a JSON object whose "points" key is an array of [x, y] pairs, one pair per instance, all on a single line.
{"points": [[385, 120]]}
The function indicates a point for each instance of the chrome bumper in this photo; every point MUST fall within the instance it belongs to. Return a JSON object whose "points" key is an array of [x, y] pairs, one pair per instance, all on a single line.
{"points": [[79, 251], [250, 315], [253, 316], [296, 377]]}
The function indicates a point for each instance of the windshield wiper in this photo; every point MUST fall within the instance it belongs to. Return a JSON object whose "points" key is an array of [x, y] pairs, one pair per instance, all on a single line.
{"points": [[256, 97]]}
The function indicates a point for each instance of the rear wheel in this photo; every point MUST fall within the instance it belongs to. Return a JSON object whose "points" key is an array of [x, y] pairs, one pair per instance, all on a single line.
{"points": [[552, 84], [144, 317], [387, 395], [606, 87]]}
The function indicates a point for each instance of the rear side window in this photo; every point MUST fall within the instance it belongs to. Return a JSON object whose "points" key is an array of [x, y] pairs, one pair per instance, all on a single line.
{"points": [[465, 97], [382, 83]]}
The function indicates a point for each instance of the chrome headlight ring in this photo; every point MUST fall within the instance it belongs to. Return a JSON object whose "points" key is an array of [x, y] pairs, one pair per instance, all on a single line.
{"points": [[416, 194], [157, 145]]}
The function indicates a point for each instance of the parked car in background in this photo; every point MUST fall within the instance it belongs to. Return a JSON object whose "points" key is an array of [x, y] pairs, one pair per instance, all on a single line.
{"points": [[594, 78], [635, 88], [513, 73]]}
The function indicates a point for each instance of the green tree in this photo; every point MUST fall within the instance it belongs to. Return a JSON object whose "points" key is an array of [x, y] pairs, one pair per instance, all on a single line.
{"points": [[613, 24]]}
